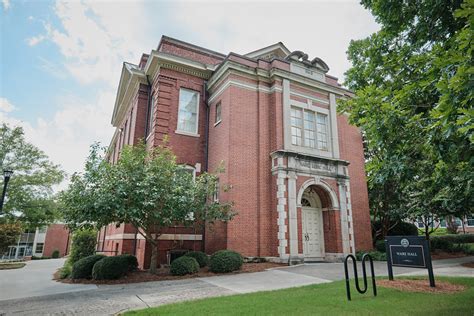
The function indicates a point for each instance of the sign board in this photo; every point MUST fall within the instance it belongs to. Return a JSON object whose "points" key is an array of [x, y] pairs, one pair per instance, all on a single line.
{"points": [[408, 251]]}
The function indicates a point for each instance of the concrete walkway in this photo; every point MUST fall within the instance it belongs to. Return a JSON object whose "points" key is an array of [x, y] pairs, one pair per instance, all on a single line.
{"points": [[112, 299], [35, 279]]}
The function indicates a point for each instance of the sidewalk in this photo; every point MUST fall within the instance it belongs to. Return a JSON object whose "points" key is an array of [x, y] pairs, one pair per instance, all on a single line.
{"points": [[112, 299]]}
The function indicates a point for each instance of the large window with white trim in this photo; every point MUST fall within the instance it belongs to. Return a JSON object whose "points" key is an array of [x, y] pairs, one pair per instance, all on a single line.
{"points": [[470, 220], [188, 114], [309, 129]]}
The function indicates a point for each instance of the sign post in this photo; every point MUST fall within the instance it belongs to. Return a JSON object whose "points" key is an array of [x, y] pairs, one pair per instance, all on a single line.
{"points": [[409, 251]]}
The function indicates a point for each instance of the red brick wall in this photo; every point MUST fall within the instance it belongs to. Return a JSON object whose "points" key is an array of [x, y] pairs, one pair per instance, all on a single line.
{"points": [[350, 144], [57, 238]]}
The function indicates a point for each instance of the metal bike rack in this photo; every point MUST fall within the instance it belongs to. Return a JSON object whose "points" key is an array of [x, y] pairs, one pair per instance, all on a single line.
{"points": [[364, 274]]}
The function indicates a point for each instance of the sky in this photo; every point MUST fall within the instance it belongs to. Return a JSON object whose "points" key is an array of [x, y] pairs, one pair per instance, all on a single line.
{"points": [[60, 61]]}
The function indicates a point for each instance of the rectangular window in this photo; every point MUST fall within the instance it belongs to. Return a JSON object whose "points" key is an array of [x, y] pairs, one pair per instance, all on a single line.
{"points": [[188, 111], [39, 247], [296, 126], [151, 113], [218, 113], [216, 192], [442, 224], [470, 220], [309, 129], [322, 128], [309, 136]]}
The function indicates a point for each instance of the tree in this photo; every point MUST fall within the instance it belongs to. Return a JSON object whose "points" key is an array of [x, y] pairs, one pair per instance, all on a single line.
{"points": [[9, 234], [414, 96], [146, 188], [30, 190]]}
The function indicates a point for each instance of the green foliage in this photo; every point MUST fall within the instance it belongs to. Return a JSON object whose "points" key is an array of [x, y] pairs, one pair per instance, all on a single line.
{"points": [[66, 270], [380, 245], [82, 269], [9, 234], [131, 261], [184, 265], [441, 244], [376, 255], [55, 254], [414, 97], [110, 268], [146, 188], [83, 244], [403, 229], [29, 196], [200, 257], [456, 239], [40, 258], [224, 261]]}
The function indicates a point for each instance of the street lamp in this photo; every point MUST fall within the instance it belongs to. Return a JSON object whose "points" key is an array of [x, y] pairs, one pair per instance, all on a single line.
{"points": [[6, 175]]}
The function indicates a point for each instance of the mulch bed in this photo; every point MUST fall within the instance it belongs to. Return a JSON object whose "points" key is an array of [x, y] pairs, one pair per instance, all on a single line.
{"points": [[163, 274], [422, 286], [468, 265], [447, 255]]}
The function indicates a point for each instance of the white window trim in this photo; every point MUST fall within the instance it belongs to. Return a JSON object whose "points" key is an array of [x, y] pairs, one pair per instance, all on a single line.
{"points": [[178, 131], [309, 150], [191, 168]]}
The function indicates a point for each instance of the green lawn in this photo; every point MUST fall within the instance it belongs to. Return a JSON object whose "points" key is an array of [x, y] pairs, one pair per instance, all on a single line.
{"points": [[327, 299]]}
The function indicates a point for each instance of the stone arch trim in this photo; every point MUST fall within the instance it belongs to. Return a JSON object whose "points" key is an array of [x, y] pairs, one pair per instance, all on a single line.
{"points": [[326, 187]]}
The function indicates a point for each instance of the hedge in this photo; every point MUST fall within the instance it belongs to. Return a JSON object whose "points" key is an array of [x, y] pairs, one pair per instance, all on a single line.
{"points": [[225, 261], [110, 268], [131, 261], [200, 257], [82, 269], [83, 244], [55, 254], [456, 239], [184, 265]]}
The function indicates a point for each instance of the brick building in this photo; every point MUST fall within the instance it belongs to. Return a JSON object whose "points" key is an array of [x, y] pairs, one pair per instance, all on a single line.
{"points": [[296, 167]]}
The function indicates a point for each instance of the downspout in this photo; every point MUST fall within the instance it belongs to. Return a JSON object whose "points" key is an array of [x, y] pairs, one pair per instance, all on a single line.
{"points": [[148, 110], [103, 238], [206, 169]]}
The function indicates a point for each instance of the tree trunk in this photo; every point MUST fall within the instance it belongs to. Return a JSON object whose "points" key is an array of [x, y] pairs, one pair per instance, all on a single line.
{"points": [[154, 256]]}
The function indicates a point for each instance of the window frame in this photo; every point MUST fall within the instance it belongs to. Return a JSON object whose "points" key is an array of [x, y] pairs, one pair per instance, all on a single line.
{"points": [[187, 133], [216, 120], [42, 247], [468, 218], [305, 142], [151, 114]]}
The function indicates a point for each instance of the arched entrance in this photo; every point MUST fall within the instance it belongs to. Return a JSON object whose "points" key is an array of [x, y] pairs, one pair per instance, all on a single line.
{"points": [[312, 225]]}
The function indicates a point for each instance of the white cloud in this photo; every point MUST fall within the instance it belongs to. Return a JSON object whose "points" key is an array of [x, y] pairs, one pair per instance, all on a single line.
{"points": [[6, 4], [67, 136], [96, 37], [32, 41], [320, 29], [6, 106]]}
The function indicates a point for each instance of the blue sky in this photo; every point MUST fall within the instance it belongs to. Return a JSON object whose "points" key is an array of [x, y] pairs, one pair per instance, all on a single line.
{"points": [[60, 61]]}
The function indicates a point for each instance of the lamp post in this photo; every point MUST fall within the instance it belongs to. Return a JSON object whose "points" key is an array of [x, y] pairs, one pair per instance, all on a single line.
{"points": [[6, 175]]}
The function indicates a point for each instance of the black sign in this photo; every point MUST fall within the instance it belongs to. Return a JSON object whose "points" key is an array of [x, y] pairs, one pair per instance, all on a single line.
{"points": [[408, 251]]}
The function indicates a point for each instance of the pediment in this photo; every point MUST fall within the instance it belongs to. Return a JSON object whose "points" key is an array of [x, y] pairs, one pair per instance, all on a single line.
{"points": [[277, 50]]}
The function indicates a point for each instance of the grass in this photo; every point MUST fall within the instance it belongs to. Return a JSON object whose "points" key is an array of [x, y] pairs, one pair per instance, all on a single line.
{"points": [[12, 265], [327, 299]]}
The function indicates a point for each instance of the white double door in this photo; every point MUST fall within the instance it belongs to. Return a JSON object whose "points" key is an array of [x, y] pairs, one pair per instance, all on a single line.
{"points": [[313, 234]]}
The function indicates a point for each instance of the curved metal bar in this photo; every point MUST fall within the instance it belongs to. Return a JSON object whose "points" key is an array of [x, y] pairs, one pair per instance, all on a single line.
{"points": [[371, 261], [356, 277]]}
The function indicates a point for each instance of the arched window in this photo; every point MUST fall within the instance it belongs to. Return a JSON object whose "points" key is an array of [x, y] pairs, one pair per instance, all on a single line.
{"points": [[305, 202]]}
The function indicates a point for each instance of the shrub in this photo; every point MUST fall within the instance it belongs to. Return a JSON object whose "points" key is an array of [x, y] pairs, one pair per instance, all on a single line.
{"points": [[40, 258], [55, 254], [65, 271], [376, 255], [380, 245], [82, 269], [184, 265], [131, 261], [110, 268], [225, 261], [457, 239], [200, 257], [438, 243], [403, 229], [83, 244]]}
